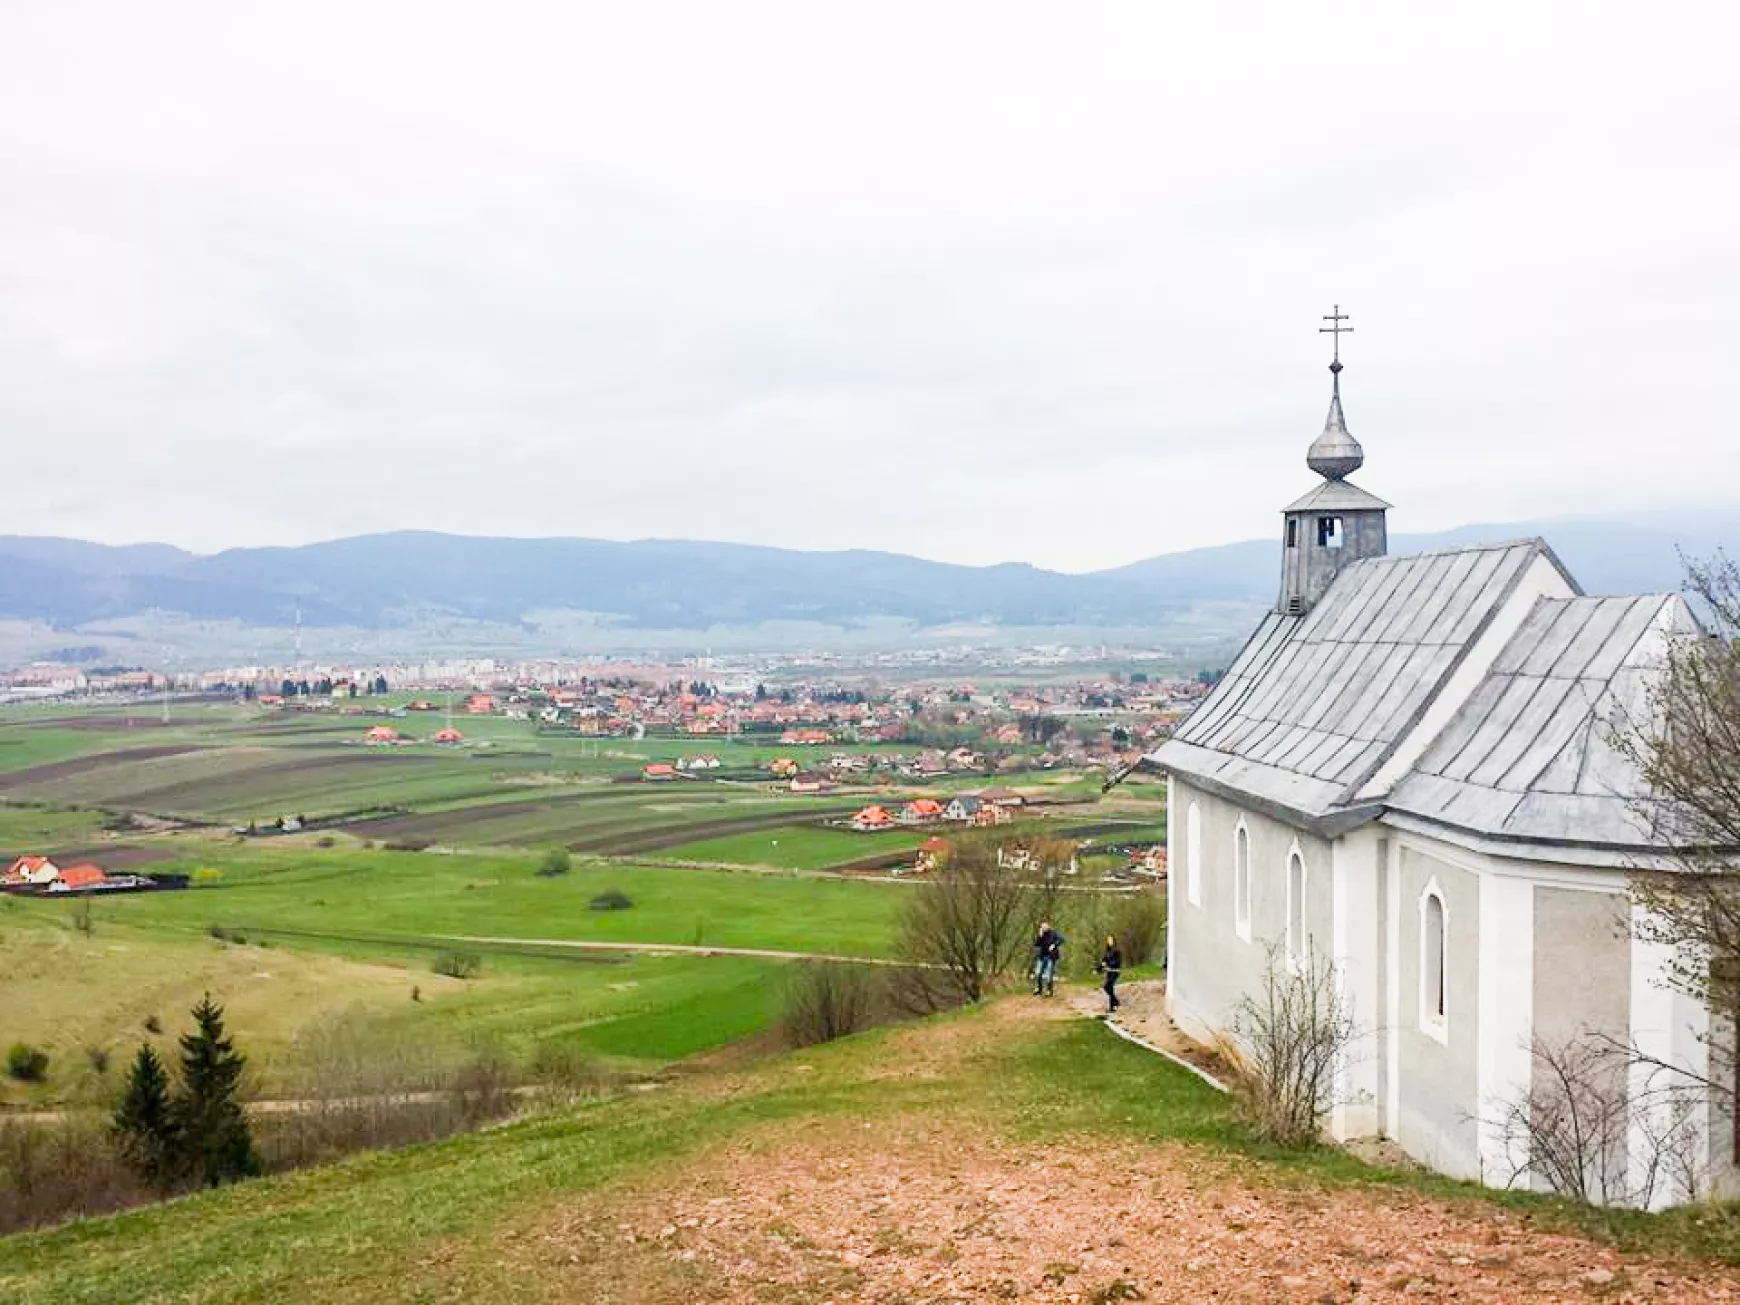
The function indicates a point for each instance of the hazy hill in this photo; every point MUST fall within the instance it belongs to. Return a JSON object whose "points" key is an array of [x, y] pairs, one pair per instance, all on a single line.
{"points": [[406, 581]]}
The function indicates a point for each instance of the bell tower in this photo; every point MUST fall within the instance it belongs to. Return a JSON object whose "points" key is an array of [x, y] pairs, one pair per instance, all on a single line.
{"points": [[1337, 523]]}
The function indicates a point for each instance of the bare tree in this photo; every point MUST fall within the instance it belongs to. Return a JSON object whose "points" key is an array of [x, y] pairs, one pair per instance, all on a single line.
{"points": [[1289, 1037], [825, 1000], [963, 930], [1587, 1132], [1687, 751]]}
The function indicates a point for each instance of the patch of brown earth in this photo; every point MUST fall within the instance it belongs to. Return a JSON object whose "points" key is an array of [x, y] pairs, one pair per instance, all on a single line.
{"points": [[53, 771], [914, 1209]]}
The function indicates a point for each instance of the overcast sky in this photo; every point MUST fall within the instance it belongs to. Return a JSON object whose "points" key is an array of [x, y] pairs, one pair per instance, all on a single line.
{"points": [[980, 282]]}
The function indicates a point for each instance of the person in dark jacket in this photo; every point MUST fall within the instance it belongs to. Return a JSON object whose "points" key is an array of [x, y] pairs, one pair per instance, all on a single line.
{"points": [[1111, 964], [1047, 951]]}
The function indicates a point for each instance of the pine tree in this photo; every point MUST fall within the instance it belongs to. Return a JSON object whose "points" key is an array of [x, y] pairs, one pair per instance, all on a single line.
{"points": [[144, 1124], [212, 1129]]}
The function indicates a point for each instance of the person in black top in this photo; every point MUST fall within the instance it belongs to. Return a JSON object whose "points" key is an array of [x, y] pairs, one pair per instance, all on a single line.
{"points": [[1111, 964], [1047, 951]]}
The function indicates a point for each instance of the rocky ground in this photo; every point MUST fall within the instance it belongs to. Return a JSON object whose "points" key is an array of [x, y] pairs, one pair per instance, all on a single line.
{"points": [[928, 1208]]}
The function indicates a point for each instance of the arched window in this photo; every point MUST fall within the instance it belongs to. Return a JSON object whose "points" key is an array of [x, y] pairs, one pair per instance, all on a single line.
{"points": [[1242, 881], [1297, 940], [1434, 987], [1193, 855]]}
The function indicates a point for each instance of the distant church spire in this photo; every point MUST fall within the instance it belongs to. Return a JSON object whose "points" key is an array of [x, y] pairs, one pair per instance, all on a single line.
{"points": [[1335, 454]]}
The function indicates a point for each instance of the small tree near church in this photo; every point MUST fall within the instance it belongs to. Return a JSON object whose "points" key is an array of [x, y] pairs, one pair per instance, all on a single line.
{"points": [[1688, 751]]}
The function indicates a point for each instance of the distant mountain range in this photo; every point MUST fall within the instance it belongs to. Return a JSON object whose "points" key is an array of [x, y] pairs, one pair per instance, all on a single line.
{"points": [[410, 581]]}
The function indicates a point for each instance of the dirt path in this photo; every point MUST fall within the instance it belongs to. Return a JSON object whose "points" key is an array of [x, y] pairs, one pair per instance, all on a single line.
{"points": [[1142, 1014], [930, 1215], [663, 949], [927, 1207]]}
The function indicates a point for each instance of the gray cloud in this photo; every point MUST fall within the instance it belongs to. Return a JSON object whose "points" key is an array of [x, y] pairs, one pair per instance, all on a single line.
{"points": [[978, 281]]}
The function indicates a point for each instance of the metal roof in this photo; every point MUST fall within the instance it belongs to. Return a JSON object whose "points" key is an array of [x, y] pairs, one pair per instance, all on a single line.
{"points": [[1335, 453], [1337, 496], [1314, 704], [1529, 756]]}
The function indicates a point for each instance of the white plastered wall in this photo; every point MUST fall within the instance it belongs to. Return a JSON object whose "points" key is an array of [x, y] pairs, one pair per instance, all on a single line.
{"points": [[1670, 1028], [1356, 864]]}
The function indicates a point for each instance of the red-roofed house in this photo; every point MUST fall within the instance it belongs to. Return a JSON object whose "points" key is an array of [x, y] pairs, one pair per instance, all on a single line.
{"points": [[658, 770], [872, 817], [449, 735], [76, 878], [811, 782], [32, 870], [921, 811], [381, 734]]}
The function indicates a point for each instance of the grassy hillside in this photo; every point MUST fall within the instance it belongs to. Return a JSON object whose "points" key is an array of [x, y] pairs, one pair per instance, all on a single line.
{"points": [[77, 996], [348, 933], [1006, 1152]]}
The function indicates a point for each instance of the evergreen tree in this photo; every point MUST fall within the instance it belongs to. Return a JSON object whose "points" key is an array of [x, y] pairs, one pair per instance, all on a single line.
{"points": [[213, 1131], [144, 1124]]}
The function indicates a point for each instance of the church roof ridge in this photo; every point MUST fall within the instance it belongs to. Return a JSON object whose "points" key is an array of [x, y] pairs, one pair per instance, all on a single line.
{"points": [[1529, 756], [1534, 543]]}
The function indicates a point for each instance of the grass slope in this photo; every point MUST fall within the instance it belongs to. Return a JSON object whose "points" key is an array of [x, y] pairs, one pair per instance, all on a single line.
{"points": [[356, 892], [468, 1218], [73, 995]]}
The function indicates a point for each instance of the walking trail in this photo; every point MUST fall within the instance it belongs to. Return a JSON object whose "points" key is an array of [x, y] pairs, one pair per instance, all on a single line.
{"points": [[664, 949], [933, 1206]]}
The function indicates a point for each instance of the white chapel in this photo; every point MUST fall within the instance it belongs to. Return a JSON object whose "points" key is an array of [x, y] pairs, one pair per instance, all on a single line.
{"points": [[1408, 770]]}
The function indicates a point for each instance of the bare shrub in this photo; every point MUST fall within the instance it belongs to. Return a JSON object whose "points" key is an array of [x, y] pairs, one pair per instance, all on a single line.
{"points": [[365, 1085], [457, 965], [1139, 921], [60, 1170], [564, 1071], [825, 1000], [1288, 1038], [914, 991], [611, 899], [970, 921], [483, 1089], [1586, 1131]]}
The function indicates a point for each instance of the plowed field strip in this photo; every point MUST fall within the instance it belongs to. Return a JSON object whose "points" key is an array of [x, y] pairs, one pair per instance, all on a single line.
{"points": [[59, 770]]}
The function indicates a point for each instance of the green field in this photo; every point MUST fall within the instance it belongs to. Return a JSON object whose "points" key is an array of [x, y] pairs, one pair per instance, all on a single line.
{"points": [[799, 847], [346, 930]]}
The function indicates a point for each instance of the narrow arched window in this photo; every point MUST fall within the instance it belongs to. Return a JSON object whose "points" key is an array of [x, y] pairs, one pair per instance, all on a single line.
{"points": [[1434, 987], [1242, 881], [1296, 936], [1193, 855]]}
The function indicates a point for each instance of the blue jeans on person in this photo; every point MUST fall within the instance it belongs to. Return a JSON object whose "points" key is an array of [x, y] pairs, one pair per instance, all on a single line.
{"points": [[1044, 974]]}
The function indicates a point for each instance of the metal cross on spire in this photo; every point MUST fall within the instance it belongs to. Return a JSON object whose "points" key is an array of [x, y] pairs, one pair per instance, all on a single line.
{"points": [[1335, 328]]}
